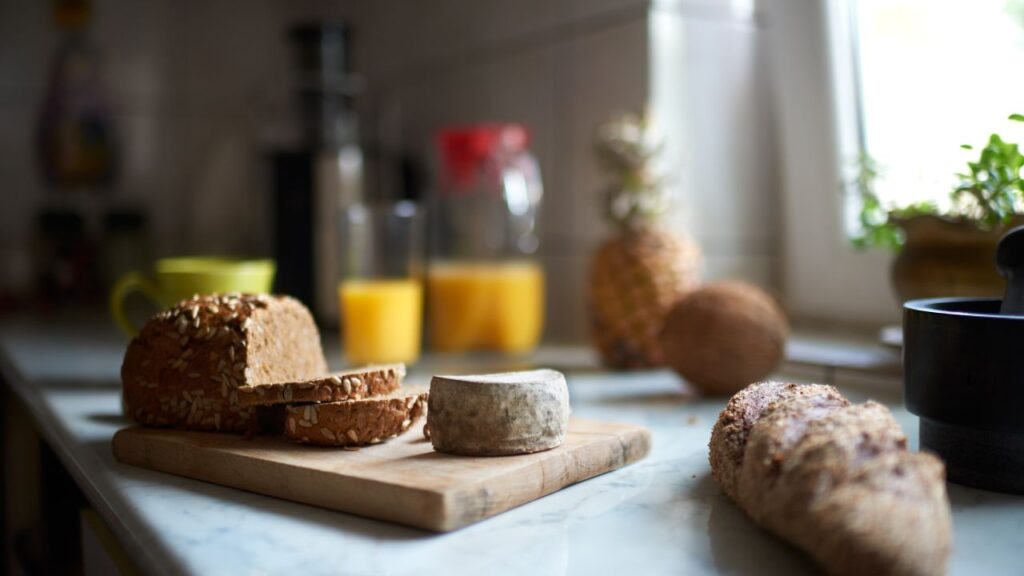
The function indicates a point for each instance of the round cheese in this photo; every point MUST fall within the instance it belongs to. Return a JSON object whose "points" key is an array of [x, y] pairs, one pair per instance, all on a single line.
{"points": [[498, 414]]}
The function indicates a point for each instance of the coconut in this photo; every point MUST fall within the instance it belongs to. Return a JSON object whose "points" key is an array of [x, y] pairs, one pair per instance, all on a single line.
{"points": [[724, 336]]}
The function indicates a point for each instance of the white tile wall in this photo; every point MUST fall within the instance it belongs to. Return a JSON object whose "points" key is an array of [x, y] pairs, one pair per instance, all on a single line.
{"points": [[605, 73], [25, 41], [561, 68], [711, 90], [184, 81], [200, 87], [560, 84]]}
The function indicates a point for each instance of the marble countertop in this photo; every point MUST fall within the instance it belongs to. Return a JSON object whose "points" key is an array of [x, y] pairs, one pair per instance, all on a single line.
{"points": [[663, 515]]}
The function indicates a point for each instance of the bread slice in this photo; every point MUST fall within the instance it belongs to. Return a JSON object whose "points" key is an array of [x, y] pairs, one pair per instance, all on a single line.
{"points": [[345, 385], [185, 367], [355, 422]]}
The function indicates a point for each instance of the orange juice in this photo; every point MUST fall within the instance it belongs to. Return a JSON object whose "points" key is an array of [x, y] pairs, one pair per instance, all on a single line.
{"points": [[497, 306], [382, 320]]}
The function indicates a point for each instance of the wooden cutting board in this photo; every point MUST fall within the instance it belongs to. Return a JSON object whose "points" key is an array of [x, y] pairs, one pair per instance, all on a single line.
{"points": [[402, 480]]}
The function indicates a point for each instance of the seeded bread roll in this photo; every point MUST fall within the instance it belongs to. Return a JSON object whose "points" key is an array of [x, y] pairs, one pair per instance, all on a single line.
{"points": [[186, 366], [345, 385], [355, 422], [834, 479]]}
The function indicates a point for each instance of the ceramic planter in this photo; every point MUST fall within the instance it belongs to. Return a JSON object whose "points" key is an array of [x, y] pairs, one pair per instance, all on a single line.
{"points": [[945, 257]]}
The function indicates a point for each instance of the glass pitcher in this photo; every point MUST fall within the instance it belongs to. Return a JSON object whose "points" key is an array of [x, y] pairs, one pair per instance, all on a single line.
{"points": [[485, 286]]}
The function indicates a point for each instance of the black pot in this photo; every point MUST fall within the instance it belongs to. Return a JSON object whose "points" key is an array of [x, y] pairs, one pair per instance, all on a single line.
{"points": [[964, 376]]}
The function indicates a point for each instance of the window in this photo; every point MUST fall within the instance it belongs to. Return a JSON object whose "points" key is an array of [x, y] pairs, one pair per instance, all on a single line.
{"points": [[907, 80], [931, 76]]}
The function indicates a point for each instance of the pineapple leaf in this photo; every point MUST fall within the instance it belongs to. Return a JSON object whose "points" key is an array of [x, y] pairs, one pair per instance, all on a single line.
{"points": [[626, 147]]}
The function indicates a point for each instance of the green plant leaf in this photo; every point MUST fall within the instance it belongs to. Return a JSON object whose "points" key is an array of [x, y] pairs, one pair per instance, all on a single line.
{"points": [[988, 194]]}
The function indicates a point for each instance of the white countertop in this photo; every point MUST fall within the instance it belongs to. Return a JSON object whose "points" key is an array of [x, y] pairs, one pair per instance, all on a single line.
{"points": [[663, 515]]}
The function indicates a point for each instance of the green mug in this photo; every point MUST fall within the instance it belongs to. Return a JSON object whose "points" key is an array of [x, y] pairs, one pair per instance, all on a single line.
{"points": [[177, 279]]}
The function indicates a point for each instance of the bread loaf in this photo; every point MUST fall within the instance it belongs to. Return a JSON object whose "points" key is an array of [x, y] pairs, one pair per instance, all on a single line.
{"points": [[345, 385], [834, 479], [186, 366], [729, 436], [498, 414], [355, 422]]}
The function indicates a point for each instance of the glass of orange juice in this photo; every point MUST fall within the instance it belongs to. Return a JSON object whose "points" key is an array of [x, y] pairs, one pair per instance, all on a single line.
{"points": [[381, 290]]}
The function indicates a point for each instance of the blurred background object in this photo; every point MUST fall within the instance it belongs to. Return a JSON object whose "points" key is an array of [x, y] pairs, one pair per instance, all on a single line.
{"points": [[645, 267], [64, 257], [723, 336], [381, 288], [176, 279], [125, 244], [247, 132], [485, 285], [317, 179], [76, 132]]}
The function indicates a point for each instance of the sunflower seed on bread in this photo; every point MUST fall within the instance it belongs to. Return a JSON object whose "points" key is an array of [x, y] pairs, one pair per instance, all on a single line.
{"points": [[355, 422], [188, 362], [345, 385]]}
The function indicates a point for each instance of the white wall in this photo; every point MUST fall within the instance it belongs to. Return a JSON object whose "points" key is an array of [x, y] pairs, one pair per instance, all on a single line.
{"points": [[199, 91], [557, 67], [563, 67], [824, 278], [193, 86], [711, 91]]}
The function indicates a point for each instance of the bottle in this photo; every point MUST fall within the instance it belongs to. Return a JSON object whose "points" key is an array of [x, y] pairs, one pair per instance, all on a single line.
{"points": [[75, 135], [485, 286]]}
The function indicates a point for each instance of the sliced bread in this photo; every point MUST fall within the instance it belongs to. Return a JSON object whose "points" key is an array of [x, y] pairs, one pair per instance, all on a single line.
{"points": [[186, 366], [345, 385], [355, 422]]}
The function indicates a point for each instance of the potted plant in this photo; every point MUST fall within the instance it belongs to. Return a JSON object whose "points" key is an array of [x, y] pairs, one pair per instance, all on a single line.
{"points": [[947, 252]]}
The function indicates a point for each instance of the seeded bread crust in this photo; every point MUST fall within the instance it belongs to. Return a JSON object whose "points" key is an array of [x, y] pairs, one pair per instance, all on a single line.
{"points": [[836, 480], [185, 367], [355, 422], [729, 436], [345, 385]]}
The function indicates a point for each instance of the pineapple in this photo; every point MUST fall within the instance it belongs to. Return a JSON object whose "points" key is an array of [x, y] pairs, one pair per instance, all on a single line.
{"points": [[636, 276]]}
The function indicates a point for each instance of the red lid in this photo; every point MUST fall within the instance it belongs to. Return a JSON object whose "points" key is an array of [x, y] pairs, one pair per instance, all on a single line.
{"points": [[463, 148]]}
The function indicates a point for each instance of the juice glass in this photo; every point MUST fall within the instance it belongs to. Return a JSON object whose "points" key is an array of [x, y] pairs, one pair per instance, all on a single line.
{"points": [[381, 292]]}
